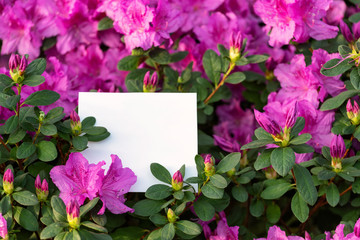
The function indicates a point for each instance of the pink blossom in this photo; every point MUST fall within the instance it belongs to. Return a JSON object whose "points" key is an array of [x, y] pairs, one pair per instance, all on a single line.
{"points": [[3, 227], [336, 12], [298, 19], [78, 179], [223, 231], [115, 184]]}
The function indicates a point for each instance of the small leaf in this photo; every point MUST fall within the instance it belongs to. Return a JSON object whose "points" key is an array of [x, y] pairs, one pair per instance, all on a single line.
{"points": [[282, 160], [25, 150], [34, 80], [299, 208], [11, 124], [257, 58], [303, 138], [337, 101], [263, 160], [257, 207], [168, 232], [87, 207], [25, 198], [129, 63], [257, 144], [158, 192], [276, 191], [94, 226], [228, 162], [332, 195], [212, 65], [36, 67], [210, 191], [235, 78], [273, 213], [334, 67], [305, 184], [147, 207], [240, 193], [204, 210], [26, 219], [188, 227], [59, 209], [42, 98], [178, 56], [158, 219], [160, 173], [46, 151], [80, 142], [354, 18], [105, 23], [48, 129], [52, 230], [355, 78], [160, 55], [218, 181], [298, 127]]}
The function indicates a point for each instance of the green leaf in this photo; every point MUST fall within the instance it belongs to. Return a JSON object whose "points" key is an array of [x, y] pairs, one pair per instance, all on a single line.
{"points": [[235, 78], [240, 193], [52, 230], [218, 181], [87, 207], [178, 56], [355, 78], [11, 124], [127, 233], [257, 144], [129, 63], [257, 58], [95, 130], [354, 18], [42, 98], [73, 235], [222, 50], [302, 148], [160, 55], [260, 133], [179, 195], [87, 123], [276, 191], [305, 184], [337, 101], [299, 208], [155, 235], [333, 67], [332, 195], [147, 207], [160, 173], [303, 138], [263, 160], [80, 142], [210, 191], [298, 127], [188, 227], [12, 102], [158, 192], [16, 136], [25, 198], [273, 213], [25, 150], [158, 219], [84, 234], [228, 162], [94, 226], [36, 67], [105, 23], [59, 209], [26, 219], [34, 80], [46, 151], [282, 160], [204, 210], [257, 207], [48, 129], [54, 115], [212, 65], [168, 232], [344, 50], [97, 138], [326, 174]]}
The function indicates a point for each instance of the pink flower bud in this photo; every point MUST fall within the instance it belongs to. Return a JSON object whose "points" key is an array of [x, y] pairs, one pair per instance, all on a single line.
{"points": [[45, 186], [75, 123], [14, 62], [266, 123], [356, 108], [38, 182], [337, 147], [357, 228], [307, 236], [177, 181], [154, 79], [235, 43], [3, 227], [150, 84], [291, 116], [41, 189], [8, 181], [209, 166], [147, 79], [345, 30], [73, 214], [23, 64]]}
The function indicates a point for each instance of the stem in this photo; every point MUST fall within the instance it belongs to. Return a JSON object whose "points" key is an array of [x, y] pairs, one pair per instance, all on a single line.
{"points": [[18, 104], [292, 172], [231, 67], [4, 144], [37, 132]]}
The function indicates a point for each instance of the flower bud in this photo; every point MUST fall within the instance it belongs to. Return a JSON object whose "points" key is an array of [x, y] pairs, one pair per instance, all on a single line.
{"points": [[357, 228], [307, 236], [291, 116], [270, 173], [3, 228], [42, 189], [209, 166], [345, 30], [171, 216], [177, 181], [73, 214], [14, 62], [23, 65], [267, 124], [337, 151], [150, 84], [137, 51], [41, 116], [353, 112], [17, 67], [8, 181], [235, 46], [75, 123]]}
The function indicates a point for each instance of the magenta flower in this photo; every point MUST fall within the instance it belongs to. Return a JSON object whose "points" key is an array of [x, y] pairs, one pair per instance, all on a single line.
{"points": [[223, 231], [267, 124], [73, 214], [335, 13], [3, 227], [115, 184], [298, 19], [78, 179], [291, 116], [275, 233], [337, 147]]}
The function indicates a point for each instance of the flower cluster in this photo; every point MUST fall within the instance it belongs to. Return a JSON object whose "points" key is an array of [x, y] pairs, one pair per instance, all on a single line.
{"points": [[78, 180]]}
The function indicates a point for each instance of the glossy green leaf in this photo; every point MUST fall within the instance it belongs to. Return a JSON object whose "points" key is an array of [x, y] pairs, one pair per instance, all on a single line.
{"points": [[305, 184], [282, 160], [299, 208]]}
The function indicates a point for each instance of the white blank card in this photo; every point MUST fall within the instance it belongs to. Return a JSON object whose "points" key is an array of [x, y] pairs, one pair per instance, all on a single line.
{"points": [[144, 128]]}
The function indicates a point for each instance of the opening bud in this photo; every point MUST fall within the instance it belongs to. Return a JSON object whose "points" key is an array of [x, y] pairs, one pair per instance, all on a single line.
{"points": [[352, 112], [17, 67], [14, 62], [73, 214], [177, 181], [171, 216], [150, 83], [337, 152], [209, 165], [42, 189], [268, 124], [8, 181], [75, 123], [236, 42]]}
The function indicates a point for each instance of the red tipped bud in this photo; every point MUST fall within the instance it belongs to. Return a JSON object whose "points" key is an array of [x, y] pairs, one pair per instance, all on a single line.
{"points": [[14, 62], [8, 181], [41, 189], [150, 83], [209, 166], [23, 65], [236, 42], [291, 116], [352, 112], [3, 228], [73, 214], [337, 151], [267, 124], [75, 123], [171, 216], [177, 181], [38, 182]]}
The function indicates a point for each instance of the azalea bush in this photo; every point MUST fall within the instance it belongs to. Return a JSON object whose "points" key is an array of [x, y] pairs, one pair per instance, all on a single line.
{"points": [[277, 84]]}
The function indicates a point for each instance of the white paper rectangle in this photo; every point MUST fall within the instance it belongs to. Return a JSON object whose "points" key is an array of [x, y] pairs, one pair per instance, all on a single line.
{"points": [[144, 128]]}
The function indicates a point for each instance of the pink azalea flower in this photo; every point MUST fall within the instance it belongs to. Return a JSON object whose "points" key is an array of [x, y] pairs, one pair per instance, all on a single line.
{"points": [[78, 179], [223, 231], [336, 12], [298, 19], [115, 184], [3, 227]]}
